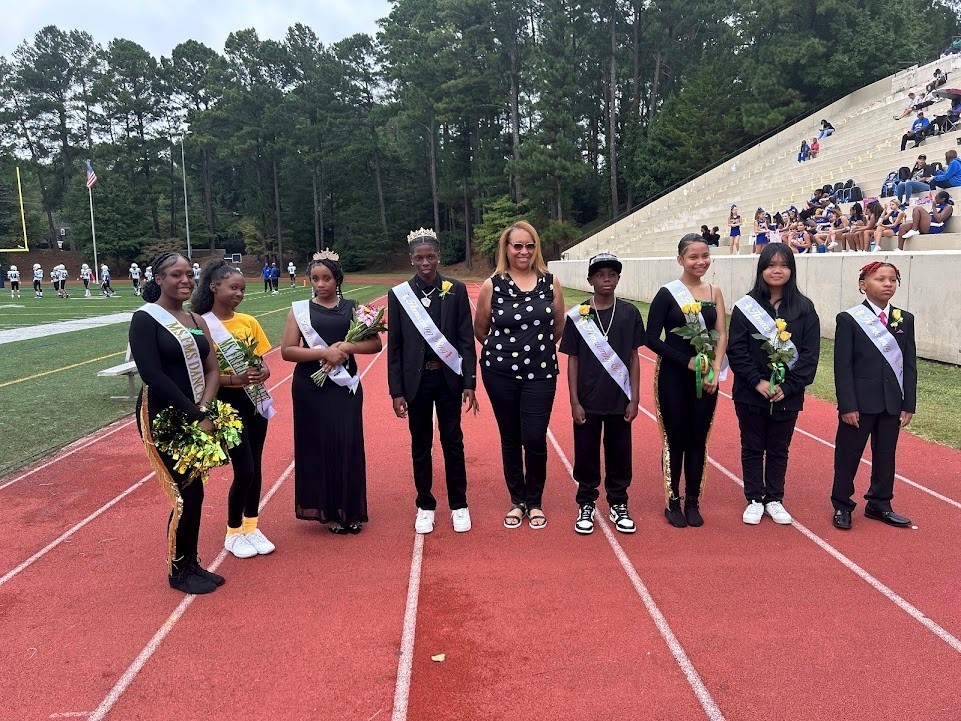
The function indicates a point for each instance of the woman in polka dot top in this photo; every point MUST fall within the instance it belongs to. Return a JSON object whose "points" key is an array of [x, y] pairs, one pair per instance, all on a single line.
{"points": [[520, 318]]}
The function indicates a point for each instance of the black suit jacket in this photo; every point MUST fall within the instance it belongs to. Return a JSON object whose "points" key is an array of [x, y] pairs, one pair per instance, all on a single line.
{"points": [[406, 346], [863, 379]]}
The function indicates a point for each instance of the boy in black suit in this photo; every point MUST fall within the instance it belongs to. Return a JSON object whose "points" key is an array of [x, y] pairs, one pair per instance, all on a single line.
{"points": [[432, 362], [876, 378]]}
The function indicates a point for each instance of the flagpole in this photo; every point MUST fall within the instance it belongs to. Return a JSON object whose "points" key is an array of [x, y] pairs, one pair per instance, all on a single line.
{"points": [[93, 231], [23, 217], [183, 168]]}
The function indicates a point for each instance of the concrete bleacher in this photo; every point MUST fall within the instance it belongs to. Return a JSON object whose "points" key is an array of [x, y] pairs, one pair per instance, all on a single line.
{"points": [[865, 148]]}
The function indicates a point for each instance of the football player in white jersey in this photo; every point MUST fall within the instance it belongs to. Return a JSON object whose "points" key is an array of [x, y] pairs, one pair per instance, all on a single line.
{"points": [[37, 281], [13, 275], [148, 273], [105, 281], [196, 272], [86, 275], [292, 272], [135, 278]]}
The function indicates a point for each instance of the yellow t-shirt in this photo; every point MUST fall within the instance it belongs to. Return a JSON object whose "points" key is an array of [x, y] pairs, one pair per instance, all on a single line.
{"points": [[246, 326]]}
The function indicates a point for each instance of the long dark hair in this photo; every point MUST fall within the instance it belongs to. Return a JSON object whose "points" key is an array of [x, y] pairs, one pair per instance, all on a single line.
{"points": [[202, 301], [160, 263], [335, 270], [793, 302]]}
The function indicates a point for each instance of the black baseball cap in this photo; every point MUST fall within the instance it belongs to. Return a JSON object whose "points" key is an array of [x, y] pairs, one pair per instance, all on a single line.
{"points": [[603, 260]]}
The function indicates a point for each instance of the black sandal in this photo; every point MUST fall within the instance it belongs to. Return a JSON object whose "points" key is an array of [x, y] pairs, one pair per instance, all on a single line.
{"points": [[542, 519], [512, 521], [340, 529]]}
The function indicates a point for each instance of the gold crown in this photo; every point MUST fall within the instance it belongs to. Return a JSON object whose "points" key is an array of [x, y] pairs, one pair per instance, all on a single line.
{"points": [[326, 254], [416, 235]]}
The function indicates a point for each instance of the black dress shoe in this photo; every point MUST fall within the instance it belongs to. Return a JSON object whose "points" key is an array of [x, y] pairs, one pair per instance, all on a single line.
{"points": [[214, 578], [188, 581], [889, 517], [842, 520]]}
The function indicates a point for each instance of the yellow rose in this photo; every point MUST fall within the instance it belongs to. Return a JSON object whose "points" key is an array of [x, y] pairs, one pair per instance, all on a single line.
{"points": [[785, 336], [695, 308], [446, 286], [781, 324], [896, 314], [686, 309], [584, 310]]}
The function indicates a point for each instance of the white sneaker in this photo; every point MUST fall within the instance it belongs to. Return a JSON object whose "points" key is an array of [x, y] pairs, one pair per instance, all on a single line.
{"points": [[238, 545], [258, 540], [424, 522], [753, 513], [832, 245], [461, 520], [911, 233], [776, 511]]}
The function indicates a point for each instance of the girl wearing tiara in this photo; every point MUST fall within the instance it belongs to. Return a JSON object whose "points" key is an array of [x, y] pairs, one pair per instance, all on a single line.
{"points": [[330, 476]]}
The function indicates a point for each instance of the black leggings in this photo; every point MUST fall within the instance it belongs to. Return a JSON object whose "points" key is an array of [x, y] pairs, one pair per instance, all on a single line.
{"points": [[686, 422], [243, 498], [523, 411], [188, 528]]}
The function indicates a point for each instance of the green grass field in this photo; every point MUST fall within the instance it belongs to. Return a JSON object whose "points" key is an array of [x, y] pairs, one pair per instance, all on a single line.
{"points": [[939, 389], [50, 394]]}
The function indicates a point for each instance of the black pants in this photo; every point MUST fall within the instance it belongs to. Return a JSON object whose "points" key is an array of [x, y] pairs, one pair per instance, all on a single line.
{"points": [[686, 420], [883, 430], [765, 440], [434, 392], [523, 411], [243, 498], [267, 286], [188, 528], [908, 137], [273, 283], [617, 458]]}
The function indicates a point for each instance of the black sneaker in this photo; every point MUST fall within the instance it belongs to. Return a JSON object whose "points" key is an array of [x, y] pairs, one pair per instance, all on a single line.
{"points": [[188, 581], [692, 512], [214, 578], [674, 515], [622, 519], [585, 520]]}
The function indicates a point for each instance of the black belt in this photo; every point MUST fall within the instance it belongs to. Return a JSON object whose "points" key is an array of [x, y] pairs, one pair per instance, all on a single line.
{"points": [[433, 365]]}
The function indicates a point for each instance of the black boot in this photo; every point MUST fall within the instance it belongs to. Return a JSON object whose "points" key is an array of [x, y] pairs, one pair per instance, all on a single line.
{"points": [[673, 513], [214, 578], [187, 580], [692, 512]]}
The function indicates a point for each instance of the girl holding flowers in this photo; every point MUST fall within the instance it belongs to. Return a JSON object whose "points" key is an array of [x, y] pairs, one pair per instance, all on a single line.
{"points": [[241, 344], [689, 313], [171, 347], [330, 477], [773, 348]]}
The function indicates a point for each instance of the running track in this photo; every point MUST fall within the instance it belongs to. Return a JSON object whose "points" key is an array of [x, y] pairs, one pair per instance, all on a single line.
{"points": [[726, 621]]}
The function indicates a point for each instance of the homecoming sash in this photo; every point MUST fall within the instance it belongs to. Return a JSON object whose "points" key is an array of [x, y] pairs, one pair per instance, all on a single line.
{"points": [[601, 348], [764, 323], [338, 375], [683, 296], [195, 364], [882, 339], [230, 350], [427, 328]]}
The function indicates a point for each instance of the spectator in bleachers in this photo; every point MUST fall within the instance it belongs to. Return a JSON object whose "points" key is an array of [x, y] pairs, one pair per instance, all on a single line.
{"points": [[803, 153], [891, 220], [939, 79], [924, 100], [849, 237], [872, 218], [820, 199], [829, 235], [814, 148], [760, 230], [906, 188], [950, 177], [924, 221], [919, 129], [734, 223], [706, 234], [946, 122], [908, 109], [827, 129], [715, 237]]}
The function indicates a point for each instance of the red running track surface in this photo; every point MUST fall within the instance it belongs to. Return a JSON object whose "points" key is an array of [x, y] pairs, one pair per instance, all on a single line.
{"points": [[726, 621]]}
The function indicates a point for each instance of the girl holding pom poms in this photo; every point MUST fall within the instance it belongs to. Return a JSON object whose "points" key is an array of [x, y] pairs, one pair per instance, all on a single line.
{"points": [[171, 347], [241, 344], [330, 476], [773, 347]]}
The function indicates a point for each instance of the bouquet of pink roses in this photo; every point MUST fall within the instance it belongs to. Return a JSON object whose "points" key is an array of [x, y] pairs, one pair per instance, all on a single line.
{"points": [[367, 322]]}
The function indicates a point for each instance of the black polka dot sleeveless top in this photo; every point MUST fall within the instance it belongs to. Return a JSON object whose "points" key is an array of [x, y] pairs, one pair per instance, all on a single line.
{"points": [[521, 340]]}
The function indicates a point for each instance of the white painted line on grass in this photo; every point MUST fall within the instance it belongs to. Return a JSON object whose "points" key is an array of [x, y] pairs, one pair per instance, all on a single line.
{"points": [[711, 709], [405, 662]]}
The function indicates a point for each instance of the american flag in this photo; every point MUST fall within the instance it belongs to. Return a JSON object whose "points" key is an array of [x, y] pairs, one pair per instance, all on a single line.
{"points": [[91, 176]]}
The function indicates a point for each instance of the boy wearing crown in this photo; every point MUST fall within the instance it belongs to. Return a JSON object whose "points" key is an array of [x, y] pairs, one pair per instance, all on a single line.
{"points": [[432, 364]]}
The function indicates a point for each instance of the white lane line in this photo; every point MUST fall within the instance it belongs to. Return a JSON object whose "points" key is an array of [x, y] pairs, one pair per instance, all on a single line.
{"points": [[711, 709], [134, 669], [877, 585], [865, 461], [404, 663]]}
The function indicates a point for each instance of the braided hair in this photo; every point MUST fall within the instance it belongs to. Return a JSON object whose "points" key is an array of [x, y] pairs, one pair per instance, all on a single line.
{"points": [[202, 300], [872, 268], [689, 240], [160, 263], [335, 270]]}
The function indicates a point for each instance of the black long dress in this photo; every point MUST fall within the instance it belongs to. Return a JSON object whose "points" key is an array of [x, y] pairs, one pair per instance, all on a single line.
{"points": [[685, 419], [330, 473]]}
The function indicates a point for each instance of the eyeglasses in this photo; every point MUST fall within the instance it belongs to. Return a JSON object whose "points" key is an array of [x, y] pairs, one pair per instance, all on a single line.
{"points": [[518, 247]]}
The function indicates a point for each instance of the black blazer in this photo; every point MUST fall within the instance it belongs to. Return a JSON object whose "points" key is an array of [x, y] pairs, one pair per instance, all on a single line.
{"points": [[749, 362], [863, 378], [406, 346]]}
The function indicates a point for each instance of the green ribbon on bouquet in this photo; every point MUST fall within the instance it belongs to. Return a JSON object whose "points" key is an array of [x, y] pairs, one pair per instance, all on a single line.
{"points": [[698, 372], [778, 374]]}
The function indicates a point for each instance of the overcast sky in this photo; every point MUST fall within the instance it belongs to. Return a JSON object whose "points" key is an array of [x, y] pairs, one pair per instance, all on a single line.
{"points": [[159, 25]]}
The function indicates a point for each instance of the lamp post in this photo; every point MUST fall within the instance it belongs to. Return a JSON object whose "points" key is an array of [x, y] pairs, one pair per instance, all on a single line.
{"points": [[183, 168]]}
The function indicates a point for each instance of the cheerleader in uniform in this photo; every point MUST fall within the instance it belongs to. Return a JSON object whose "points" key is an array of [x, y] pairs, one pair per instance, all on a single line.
{"points": [[684, 418], [86, 275], [13, 275], [135, 278], [330, 478], [37, 281]]}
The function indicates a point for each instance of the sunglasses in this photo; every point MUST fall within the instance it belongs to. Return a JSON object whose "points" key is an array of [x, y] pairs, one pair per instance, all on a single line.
{"points": [[518, 247]]}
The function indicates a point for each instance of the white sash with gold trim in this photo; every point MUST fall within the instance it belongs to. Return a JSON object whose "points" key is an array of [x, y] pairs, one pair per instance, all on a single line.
{"points": [[195, 364], [682, 296], [338, 375], [882, 339], [764, 324], [230, 350], [602, 349], [427, 328]]}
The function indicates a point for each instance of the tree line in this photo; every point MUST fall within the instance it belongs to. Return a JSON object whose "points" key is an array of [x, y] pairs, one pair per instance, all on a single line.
{"points": [[460, 115]]}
